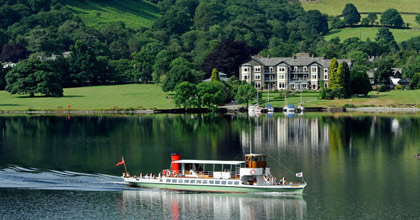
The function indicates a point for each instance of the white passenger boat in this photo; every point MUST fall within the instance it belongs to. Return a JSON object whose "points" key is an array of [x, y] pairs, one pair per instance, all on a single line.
{"points": [[250, 175]]}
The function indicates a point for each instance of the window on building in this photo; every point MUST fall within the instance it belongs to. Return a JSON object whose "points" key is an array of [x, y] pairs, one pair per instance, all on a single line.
{"points": [[245, 77], [305, 69], [305, 77], [281, 85], [257, 85], [326, 76], [258, 76], [295, 68], [295, 77], [313, 69], [282, 69], [304, 86], [326, 85], [271, 69], [281, 76], [292, 86], [325, 70], [257, 69], [314, 76]]}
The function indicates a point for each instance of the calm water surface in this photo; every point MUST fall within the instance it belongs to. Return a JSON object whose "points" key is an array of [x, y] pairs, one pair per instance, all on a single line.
{"points": [[63, 167]]}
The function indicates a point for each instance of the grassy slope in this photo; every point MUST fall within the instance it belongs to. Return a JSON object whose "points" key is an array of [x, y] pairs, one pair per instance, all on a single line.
{"points": [[134, 13], [94, 97], [335, 7], [364, 32]]}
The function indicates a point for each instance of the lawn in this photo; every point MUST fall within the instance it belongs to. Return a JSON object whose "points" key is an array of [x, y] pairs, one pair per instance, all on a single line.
{"points": [[370, 32], [395, 98], [134, 14], [94, 97], [335, 7]]}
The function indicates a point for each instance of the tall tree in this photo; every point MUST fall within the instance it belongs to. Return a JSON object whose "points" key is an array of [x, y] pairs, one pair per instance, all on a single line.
{"points": [[144, 60], [210, 94], [180, 71], [391, 17], [332, 74], [372, 17], [317, 21], [350, 14], [246, 92], [208, 13], [383, 71], [418, 18], [83, 64], [186, 95], [386, 39], [360, 83], [33, 76], [215, 75]]}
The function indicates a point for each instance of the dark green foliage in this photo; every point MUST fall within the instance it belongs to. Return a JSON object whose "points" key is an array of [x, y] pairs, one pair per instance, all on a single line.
{"points": [[336, 23], [120, 70], [227, 57], [83, 65], [161, 65], [350, 14], [208, 13], [317, 21], [360, 83], [383, 71], [418, 18], [144, 60], [382, 88], [180, 71], [360, 60], [211, 94], [391, 17], [3, 72], [386, 40], [246, 92], [415, 81], [412, 66], [31, 77], [186, 95], [13, 53], [372, 17]]}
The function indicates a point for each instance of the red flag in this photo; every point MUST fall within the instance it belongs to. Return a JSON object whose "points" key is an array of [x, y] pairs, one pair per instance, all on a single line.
{"points": [[121, 162]]}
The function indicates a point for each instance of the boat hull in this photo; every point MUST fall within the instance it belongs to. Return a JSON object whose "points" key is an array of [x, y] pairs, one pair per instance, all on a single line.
{"points": [[289, 189]]}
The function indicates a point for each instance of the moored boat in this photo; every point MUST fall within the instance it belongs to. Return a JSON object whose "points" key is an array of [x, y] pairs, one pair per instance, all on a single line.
{"points": [[250, 175]]}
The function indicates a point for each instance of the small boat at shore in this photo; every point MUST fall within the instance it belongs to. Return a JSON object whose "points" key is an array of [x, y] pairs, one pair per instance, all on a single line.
{"points": [[249, 176]]}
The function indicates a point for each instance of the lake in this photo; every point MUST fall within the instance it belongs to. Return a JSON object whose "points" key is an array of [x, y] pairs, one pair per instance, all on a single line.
{"points": [[357, 166]]}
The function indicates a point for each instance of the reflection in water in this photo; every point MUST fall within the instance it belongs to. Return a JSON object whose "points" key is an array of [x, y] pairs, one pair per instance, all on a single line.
{"points": [[179, 205]]}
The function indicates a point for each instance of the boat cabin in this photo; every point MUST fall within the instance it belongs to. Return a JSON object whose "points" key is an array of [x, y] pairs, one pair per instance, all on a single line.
{"points": [[255, 161]]}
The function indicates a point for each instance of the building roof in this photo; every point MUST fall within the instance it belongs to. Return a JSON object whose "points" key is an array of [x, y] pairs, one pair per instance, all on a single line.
{"points": [[222, 76], [210, 162], [302, 59]]}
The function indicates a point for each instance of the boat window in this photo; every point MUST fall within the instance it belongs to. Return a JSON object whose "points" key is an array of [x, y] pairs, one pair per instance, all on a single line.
{"points": [[198, 181], [211, 181], [174, 180], [230, 182], [186, 181], [224, 182], [180, 181], [204, 181], [217, 182], [192, 181], [168, 180], [236, 182]]}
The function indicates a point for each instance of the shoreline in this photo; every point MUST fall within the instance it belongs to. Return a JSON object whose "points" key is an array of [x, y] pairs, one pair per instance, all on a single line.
{"points": [[224, 109]]}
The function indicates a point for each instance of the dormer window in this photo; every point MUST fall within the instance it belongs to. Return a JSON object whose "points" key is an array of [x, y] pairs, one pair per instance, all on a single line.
{"points": [[313, 69], [257, 69]]}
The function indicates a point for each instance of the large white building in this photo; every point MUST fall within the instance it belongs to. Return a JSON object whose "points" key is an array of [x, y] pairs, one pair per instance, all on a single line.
{"points": [[301, 71]]}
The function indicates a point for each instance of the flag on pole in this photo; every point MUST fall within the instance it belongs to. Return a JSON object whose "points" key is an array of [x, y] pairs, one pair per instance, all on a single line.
{"points": [[121, 162], [300, 175]]}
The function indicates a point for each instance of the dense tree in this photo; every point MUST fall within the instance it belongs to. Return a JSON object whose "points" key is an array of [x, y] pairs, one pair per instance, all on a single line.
{"points": [[360, 83], [3, 72], [180, 71], [208, 13], [33, 76], [372, 17], [336, 23], [360, 60], [418, 18], [415, 81], [383, 71], [412, 66], [215, 75], [350, 14], [332, 74], [161, 65], [317, 21], [227, 57], [83, 64], [210, 94], [144, 60], [13, 52], [121, 70], [186, 95], [391, 17], [386, 39], [8, 16], [246, 92]]}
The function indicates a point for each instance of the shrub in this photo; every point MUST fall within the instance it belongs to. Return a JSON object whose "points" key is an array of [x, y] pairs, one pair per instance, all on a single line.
{"points": [[398, 87], [382, 88], [349, 106]]}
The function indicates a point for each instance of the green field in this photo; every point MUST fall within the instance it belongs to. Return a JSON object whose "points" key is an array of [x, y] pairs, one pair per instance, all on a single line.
{"points": [[135, 14], [335, 7], [93, 98], [395, 98], [370, 32]]}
